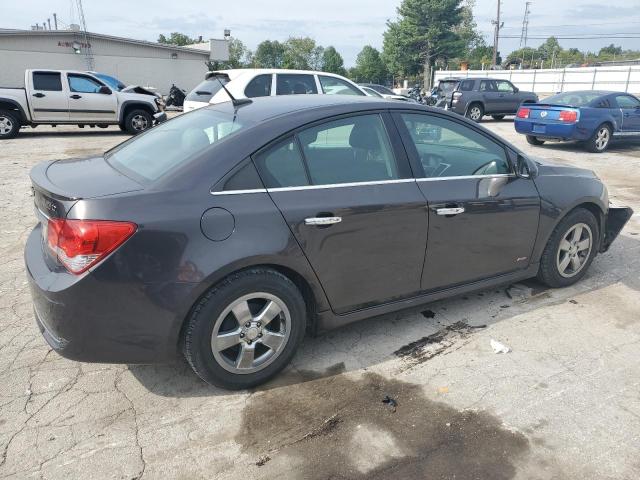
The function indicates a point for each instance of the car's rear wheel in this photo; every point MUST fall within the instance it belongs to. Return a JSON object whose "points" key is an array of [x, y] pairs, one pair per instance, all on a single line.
{"points": [[9, 124], [246, 329], [600, 139], [497, 117], [475, 112], [570, 250], [531, 140], [138, 121]]}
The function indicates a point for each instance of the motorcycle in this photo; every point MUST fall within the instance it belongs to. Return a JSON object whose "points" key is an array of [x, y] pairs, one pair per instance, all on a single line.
{"points": [[176, 96], [416, 94]]}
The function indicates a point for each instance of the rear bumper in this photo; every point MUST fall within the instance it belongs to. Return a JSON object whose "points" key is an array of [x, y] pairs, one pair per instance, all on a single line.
{"points": [[617, 217], [95, 318], [552, 131]]}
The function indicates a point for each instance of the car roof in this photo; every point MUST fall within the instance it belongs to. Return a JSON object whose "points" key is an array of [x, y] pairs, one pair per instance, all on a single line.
{"points": [[235, 72]]}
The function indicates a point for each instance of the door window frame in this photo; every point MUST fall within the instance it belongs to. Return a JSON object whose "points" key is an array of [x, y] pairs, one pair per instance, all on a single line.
{"points": [[403, 164], [414, 158]]}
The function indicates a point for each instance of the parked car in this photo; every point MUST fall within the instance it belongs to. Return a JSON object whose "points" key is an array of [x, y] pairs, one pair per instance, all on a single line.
{"points": [[253, 83], [370, 92], [476, 97], [117, 85], [386, 92], [592, 117], [57, 97], [228, 232], [441, 94]]}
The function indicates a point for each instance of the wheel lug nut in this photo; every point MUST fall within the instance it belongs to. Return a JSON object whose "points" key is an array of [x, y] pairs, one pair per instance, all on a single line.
{"points": [[260, 335], [249, 342], [248, 324], [259, 324], [241, 335]]}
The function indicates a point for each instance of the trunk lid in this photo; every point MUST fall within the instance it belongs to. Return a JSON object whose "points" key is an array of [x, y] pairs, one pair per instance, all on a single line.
{"points": [[544, 111]]}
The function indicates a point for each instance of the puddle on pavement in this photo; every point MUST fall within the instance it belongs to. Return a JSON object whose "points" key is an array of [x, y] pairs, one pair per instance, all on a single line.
{"points": [[338, 428]]}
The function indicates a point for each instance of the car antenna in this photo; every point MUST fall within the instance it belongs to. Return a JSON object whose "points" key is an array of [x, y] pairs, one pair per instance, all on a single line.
{"points": [[237, 102]]}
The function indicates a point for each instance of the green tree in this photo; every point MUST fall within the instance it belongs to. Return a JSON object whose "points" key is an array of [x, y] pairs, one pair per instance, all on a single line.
{"points": [[332, 61], [302, 54], [425, 29], [269, 54], [610, 50], [369, 66], [176, 38]]}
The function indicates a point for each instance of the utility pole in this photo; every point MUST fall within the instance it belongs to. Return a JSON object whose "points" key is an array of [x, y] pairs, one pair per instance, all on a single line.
{"points": [[496, 35], [55, 20], [525, 25], [49, 23]]}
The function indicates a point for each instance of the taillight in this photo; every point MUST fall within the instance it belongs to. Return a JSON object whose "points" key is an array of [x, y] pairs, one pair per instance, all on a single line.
{"points": [[523, 112], [81, 244], [568, 116]]}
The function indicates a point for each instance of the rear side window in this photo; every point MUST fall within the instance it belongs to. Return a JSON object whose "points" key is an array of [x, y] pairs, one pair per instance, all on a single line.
{"points": [[353, 149], [48, 81], [337, 86], [282, 166], [206, 90], [488, 86], [293, 84], [466, 85], [449, 149], [244, 178], [82, 84], [260, 86]]}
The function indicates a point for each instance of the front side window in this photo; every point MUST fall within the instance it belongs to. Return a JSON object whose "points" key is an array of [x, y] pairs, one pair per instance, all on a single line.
{"points": [[294, 84], [353, 149], [169, 145], [449, 149], [282, 165], [504, 86], [625, 101], [337, 86], [260, 86], [82, 84], [47, 81]]}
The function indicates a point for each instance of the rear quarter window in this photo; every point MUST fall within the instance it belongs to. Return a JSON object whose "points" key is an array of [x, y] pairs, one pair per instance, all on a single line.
{"points": [[466, 85]]}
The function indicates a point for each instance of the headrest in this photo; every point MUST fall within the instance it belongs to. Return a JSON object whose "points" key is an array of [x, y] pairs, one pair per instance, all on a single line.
{"points": [[364, 136]]}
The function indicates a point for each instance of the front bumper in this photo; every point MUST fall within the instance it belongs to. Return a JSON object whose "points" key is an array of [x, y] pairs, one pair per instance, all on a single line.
{"points": [[160, 117], [617, 218]]}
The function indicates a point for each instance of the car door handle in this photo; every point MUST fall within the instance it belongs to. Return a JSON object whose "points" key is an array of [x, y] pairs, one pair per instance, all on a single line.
{"points": [[450, 211], [322, 220], [75, 97], [39, 95]]}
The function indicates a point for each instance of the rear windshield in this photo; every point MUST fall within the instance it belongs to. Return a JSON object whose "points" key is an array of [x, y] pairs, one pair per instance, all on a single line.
{"points": [[206, 90], [172, 144], [381, 89], [573, 99], [447, 86]]}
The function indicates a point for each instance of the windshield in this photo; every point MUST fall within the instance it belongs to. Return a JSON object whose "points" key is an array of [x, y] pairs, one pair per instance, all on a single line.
{"points": [[574, 99], [111, 81], [371, 92], [381, 89], [172, 144], [206, 90]]}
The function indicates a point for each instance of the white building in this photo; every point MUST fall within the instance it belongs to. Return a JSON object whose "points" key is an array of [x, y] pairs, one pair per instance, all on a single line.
{"points": [[134, 62]]}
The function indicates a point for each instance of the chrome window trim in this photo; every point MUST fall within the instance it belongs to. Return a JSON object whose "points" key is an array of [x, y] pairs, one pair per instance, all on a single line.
{"points": [[465, 177], [240, 192]]}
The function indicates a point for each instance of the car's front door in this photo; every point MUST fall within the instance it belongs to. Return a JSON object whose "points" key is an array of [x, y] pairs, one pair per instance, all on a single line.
{"points": [[483, 219], [508, 99], [346, 191], [49, 101], [87, 103], [630, 107]]}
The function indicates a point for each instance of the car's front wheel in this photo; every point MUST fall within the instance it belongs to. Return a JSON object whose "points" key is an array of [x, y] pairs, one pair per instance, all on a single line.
{"points": [[138, 121], [570, 250], [246, 329], [531, 140], [600, 139]]}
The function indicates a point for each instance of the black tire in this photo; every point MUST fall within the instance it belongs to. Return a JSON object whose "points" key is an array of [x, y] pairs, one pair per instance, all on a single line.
{"points": [[531, 140], [197, 342], [549, 272], [122, 127], [475, 112], [137, 121], [9, 124], [497, 117], [600, 140]]}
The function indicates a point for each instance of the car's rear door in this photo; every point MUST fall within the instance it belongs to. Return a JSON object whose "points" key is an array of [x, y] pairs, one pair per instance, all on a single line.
{"points": [[490, 96], [483, 219], [345, 189], [48, 97]]}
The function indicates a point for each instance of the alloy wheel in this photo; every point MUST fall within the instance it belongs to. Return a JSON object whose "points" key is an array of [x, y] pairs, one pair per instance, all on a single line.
{"points": [[602, 138], [251, 333], [6, 125], [474, 113], [574, 250], [139, 123]]}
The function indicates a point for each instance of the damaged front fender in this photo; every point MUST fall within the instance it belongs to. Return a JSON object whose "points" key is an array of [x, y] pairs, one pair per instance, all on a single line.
{"points": [[617, 217]]}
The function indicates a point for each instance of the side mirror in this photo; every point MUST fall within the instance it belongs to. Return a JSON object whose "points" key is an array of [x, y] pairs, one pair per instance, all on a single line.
{"points": [[525, 168], [104, 90], [516, 89]]}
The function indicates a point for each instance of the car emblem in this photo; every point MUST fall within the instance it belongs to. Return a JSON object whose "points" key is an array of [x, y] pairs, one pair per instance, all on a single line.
{"points": [[543, 114]]}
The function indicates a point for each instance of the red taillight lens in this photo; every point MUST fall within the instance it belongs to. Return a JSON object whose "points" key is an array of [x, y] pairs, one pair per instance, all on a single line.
{"points": [[523, 112], [80, 244], [568, 116]]}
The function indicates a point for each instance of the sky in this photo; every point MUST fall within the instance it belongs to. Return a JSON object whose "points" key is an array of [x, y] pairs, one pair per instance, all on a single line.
{"points": [[348, 25]]}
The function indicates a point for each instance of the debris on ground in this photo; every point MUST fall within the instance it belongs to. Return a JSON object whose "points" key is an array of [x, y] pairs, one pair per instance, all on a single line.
{"points": [[443, 389], [505, 306], [575, 302], [428, 314], [499, 347], [391, 402], [327, 427], [262, 460]]}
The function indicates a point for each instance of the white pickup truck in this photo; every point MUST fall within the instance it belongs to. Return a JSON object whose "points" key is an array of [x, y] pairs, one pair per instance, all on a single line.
{"points": [[62, 97]]}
